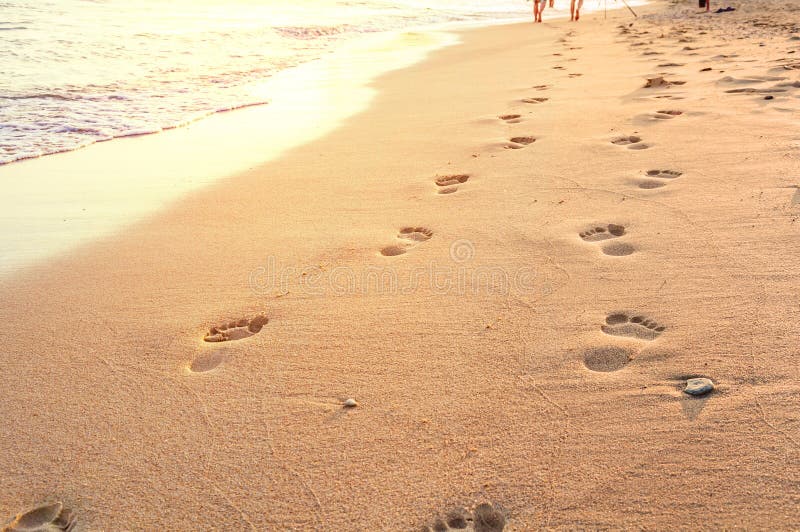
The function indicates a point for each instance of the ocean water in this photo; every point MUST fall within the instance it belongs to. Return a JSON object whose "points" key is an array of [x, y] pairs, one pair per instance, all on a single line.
{"points": [[77, 72]]}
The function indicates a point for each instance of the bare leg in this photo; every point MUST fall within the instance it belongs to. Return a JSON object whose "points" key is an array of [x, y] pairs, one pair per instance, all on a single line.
{"points": [[538, 8], [708, 5], [578, 11], [572, 10]]}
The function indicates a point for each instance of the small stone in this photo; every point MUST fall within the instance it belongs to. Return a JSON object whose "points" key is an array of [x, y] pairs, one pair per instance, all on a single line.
{"points": [[699, 386], [350, 403], [768, 97]]}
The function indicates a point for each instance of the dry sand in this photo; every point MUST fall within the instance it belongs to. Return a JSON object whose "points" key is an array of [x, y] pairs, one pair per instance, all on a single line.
{"points": [[554, 393]]}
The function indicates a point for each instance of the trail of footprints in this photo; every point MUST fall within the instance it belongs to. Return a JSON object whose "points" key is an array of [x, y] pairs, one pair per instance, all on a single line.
{"points": [[633, 326], [638, 327], [622, 324], [519, 142], [484, 517]]}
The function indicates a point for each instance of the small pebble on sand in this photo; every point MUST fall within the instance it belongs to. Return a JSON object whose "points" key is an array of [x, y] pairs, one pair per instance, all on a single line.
{"points": [[700, 386], [769, 97], [350, 403]]}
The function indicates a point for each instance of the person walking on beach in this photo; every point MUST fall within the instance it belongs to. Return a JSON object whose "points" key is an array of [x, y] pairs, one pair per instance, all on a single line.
{"points": [[575, 14], [538, 9]]}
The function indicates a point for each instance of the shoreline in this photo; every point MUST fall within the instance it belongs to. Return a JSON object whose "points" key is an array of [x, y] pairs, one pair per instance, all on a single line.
{"points": [[153, 171], [442, 27], [647, 245]]}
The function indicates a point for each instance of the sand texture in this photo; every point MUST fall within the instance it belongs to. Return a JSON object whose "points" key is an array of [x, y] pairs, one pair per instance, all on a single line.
{"points": [[512, 262]]}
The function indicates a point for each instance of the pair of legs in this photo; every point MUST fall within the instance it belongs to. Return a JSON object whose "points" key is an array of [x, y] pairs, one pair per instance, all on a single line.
{"points": [[575, 11], [538, 9]]}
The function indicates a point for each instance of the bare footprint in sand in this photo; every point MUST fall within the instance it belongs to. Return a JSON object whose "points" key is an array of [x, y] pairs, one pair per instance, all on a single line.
{"points": [[667, 114], [632, 142], [485, 518], [236, 330], [664, 174], [408, 237], [656, 178], [415, 234], [45, 518], [609, 232], [541, 87], [626, 141], [603, 232], [639, 327], [511, 119], [449, 183], [534, 100], [517, 143], [575, 75]]}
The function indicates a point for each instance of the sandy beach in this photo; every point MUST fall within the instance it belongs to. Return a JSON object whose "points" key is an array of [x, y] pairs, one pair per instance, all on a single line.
{"points": [[512, 261]]}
